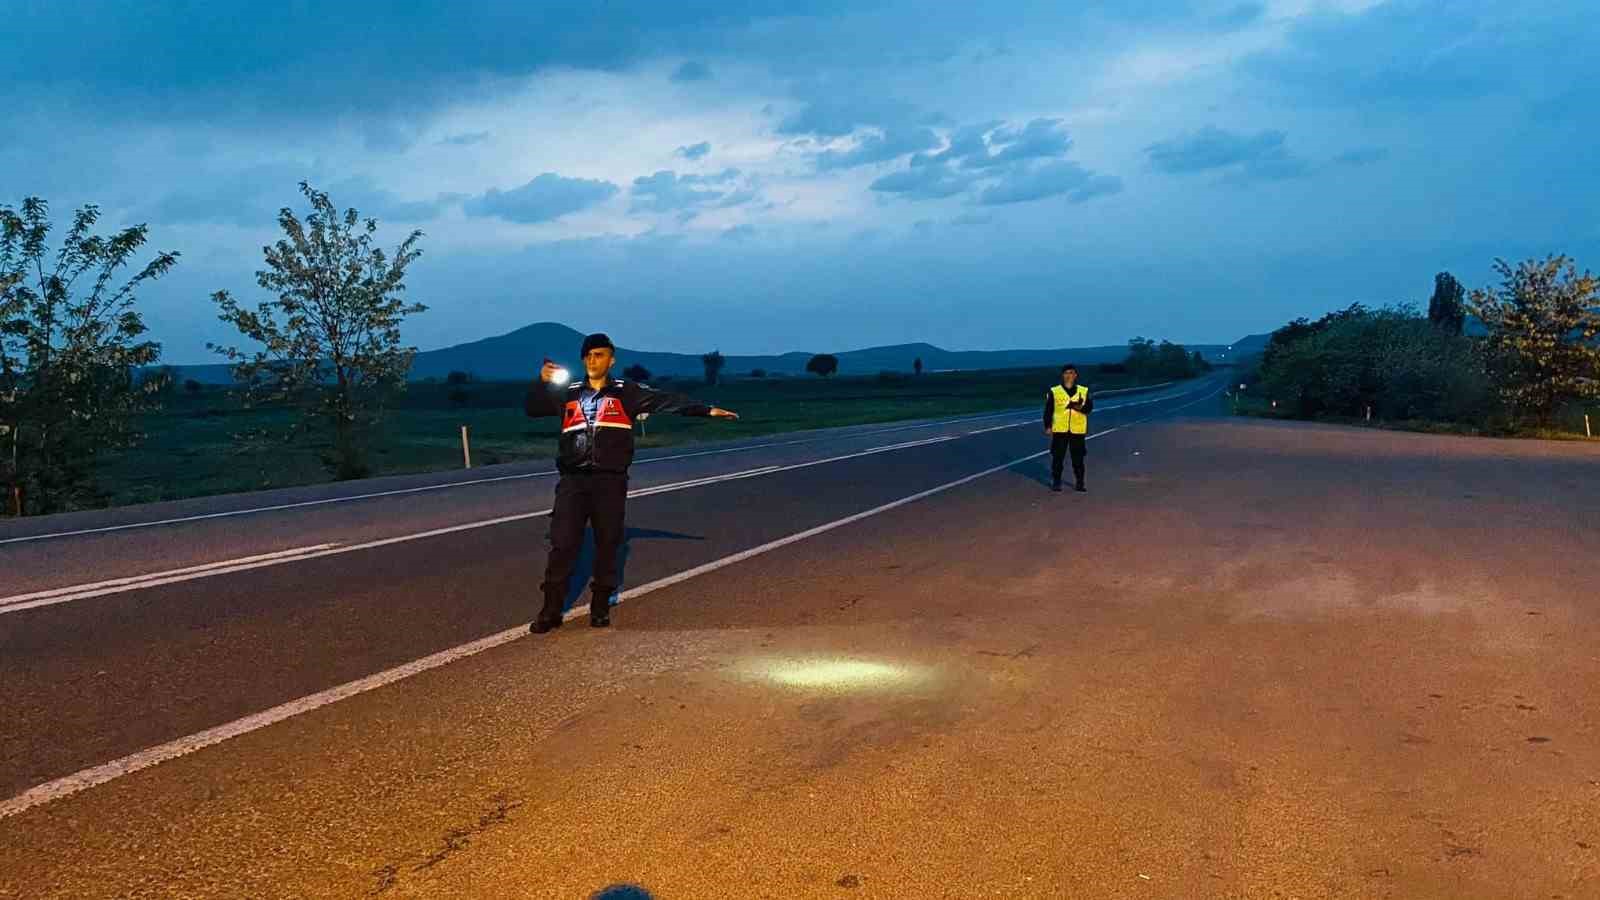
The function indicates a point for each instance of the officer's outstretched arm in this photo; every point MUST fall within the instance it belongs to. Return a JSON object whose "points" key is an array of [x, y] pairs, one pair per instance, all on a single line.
{"points": [[649, 400]]}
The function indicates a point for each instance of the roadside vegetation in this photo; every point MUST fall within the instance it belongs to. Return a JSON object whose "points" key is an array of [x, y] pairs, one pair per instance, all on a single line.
{"points": [[90, 418], [1518, 359]]}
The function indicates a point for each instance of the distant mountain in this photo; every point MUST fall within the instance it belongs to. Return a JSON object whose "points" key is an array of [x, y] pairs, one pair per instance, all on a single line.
{"points": [[516, 356]]}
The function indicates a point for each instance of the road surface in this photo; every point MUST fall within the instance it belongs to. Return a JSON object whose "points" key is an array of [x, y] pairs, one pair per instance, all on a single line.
{"points": [[1258, 659]]}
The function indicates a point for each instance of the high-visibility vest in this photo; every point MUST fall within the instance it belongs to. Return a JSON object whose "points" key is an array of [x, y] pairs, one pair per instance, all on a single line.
{"points": [[1069, 420]]}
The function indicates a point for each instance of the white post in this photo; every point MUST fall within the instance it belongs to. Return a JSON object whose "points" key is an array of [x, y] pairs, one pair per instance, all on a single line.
{"points": [[466, 448], [1369, 414], [1586, 431]]}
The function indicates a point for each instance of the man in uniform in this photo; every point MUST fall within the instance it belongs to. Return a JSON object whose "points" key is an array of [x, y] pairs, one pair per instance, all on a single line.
{"points": [[1066, 423], [596, 449]]}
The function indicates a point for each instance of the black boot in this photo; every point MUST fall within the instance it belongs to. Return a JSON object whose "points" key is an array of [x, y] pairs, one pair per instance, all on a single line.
{"points": [[600, 610], [549, 617]]}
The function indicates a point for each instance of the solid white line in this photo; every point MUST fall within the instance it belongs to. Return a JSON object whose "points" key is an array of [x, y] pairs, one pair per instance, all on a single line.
{"points": [[88, 778], [475, 481], [521, 476], [155, 576]]}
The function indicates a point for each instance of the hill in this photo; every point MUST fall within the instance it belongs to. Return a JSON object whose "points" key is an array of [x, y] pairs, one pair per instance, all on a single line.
{"points": [[515, 356]]}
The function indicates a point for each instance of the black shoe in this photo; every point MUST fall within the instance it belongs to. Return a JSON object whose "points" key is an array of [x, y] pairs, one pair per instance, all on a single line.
{"points": [[1056, 487], [1081, 489], [601, 621], [542, 625]]}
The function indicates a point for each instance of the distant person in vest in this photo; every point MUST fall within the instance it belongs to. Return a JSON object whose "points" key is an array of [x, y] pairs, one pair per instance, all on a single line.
{"points": [[1066, 424], [595, 451]]}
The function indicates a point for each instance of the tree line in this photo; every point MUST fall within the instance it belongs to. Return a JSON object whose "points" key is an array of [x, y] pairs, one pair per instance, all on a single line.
{"points": [[1500, 358]]}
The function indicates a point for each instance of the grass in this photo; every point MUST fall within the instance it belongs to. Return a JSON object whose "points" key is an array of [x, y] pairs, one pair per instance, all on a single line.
{"points": [[1569, 425], [190, 450]]}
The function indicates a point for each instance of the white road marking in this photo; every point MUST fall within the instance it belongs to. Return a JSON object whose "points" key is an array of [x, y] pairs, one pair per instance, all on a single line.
{"points": [[73, 592], [144, 759], [254, 510], [156, 579]]}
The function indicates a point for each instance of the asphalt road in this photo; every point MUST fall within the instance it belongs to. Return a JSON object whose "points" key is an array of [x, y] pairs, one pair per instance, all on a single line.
{"points": [[1256, 660]]}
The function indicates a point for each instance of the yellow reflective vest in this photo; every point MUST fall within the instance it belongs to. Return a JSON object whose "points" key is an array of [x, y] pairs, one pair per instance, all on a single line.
{"points": [[1069, 421]]}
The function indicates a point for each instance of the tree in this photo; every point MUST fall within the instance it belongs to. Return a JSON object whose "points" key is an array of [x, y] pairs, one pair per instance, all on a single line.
{"points": [[636, 372], [458, 377], [823, 364], [330, 341], [1543, 323], [193, 387], [916, 365], [1446, 309], [1198, 363], [713, 361], [70, 347], [758, 373]]}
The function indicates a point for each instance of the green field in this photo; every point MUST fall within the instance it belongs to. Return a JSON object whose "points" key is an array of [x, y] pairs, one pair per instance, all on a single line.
{"points": [[190, 450]]}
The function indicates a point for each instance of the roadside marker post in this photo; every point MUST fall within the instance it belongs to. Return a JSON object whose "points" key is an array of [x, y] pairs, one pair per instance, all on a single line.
{"points": [[1587, 432], [466, 448]]}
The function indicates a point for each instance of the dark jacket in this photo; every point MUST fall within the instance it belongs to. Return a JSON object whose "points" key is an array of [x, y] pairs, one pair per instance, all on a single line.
{"points": [[606, 444]]}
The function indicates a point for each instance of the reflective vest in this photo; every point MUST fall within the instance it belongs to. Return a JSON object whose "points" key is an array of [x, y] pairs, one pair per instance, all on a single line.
{"points": [[1069, 420]]}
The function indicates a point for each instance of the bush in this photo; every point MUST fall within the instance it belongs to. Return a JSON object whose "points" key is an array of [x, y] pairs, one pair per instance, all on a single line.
{"points": [[636, 372], [823, 364], [758, 373], [1392, 360]]}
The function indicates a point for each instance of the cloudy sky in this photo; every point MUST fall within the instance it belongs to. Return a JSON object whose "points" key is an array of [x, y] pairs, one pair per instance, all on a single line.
{"points": [[765, 176]]}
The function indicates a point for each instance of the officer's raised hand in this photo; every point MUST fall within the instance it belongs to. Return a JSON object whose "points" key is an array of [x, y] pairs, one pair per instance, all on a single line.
{"points": [[718, 412], [547, 372]]}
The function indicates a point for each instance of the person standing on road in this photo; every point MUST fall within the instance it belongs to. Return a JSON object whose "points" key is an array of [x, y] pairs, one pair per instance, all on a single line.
{"points": [[1066, 423], [596, 448]]}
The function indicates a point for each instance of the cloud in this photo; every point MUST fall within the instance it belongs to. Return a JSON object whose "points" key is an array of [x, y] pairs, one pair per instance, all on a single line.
{"points": [[874, 148], [1040, 139], [692, 70], [739, 233], [1049, 180], [466, 140], [839, 116], [992, 144], [966, 143], [971, 219], [926, 182], [667, 191], [694, 151], [1261, 156], [545, 198], [1362, 156]]}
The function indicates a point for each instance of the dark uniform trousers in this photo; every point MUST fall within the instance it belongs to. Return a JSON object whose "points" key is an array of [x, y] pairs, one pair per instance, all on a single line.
{"points": [[1060, 443], [585, 498]]}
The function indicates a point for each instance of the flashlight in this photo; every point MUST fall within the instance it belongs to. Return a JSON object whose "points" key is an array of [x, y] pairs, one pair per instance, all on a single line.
{"points": [[560, 376]]}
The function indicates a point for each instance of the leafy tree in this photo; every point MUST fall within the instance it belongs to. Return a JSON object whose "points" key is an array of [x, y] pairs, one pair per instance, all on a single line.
{"points": [[916, 365], [823, 364], [70, 345], [758, 373], [1394, 360], [193, 387], [1198, 363], [1446, 309], [458, 377], [1543, 323], [713, 361], [329, 343], [636, 372]]}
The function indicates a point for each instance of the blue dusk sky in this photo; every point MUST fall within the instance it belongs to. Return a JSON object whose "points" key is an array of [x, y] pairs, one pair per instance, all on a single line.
{"points": [[826, 175]]}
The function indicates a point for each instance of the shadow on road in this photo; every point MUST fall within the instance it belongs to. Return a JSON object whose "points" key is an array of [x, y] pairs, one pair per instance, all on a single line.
{"points": [[583, 569]]}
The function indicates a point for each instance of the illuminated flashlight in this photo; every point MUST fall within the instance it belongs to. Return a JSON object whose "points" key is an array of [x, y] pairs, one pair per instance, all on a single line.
{"points": [[560, 376]]}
